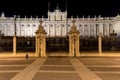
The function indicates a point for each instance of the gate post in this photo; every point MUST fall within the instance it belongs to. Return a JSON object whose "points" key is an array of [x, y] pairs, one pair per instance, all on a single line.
{"points": [[14, 45], [100, 44], [40, 41], [74, 41]]}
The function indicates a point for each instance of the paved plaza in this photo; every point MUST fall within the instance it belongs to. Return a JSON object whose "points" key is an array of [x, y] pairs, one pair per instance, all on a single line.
{"points": [[83, 68]]}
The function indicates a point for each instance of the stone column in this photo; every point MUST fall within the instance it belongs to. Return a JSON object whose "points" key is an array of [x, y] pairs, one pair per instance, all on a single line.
{"points": [[100, 44], [14, 45]]}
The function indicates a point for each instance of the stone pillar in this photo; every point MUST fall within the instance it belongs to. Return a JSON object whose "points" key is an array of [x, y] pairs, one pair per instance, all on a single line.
{"points": [[43, 46], [14, 45], [78, 46], [41, 41], [100, 44], [74, 41]]}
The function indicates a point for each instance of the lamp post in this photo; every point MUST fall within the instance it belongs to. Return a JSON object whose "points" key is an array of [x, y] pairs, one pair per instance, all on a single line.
{"points": [[113, 35]]}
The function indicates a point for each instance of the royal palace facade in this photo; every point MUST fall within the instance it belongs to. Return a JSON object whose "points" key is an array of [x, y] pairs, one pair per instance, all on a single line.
{"points": [[58, 25]]}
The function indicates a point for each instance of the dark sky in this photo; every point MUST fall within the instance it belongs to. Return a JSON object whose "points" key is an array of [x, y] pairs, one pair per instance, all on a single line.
{"points": [[74, 7]]}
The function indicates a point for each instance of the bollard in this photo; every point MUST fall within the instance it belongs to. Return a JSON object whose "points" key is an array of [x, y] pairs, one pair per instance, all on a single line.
{"points": [[26, 56]]}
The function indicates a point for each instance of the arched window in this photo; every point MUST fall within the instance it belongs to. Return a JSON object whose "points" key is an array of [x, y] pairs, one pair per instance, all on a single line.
{"points": [[22, 25], [34, 25], [45, 25], [63, 25], [28, 25], [68, 25], [80, 25], [51, 25]]}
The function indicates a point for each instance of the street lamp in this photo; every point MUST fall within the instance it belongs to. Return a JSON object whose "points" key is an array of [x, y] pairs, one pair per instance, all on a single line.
{"points": [[113, 35]]}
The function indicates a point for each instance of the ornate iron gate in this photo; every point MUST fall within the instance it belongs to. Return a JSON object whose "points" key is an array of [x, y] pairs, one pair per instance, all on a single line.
{"points": [[88, 44], [57, 44], [25, 44]]}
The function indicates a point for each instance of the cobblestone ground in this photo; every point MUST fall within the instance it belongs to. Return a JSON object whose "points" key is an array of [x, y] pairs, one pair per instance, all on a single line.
{"points": [[83, 68]]}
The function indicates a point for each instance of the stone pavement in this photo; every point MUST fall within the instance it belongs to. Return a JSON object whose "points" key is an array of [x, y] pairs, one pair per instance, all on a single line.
{"points": [[29, 72], [107, 68], [9, 67], [83, 72], [60, 69]]}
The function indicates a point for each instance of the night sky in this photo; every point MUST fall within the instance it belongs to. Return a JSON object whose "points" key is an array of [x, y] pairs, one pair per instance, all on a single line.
{"points": [[74, 7]]}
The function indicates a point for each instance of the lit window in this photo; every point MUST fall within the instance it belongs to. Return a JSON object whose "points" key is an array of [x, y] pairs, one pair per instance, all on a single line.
{"points": [[86, 25], [22, 25], [28, 25], [34, 25], [80, 25], [68, 25], [97, 25], [45, 25]]}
